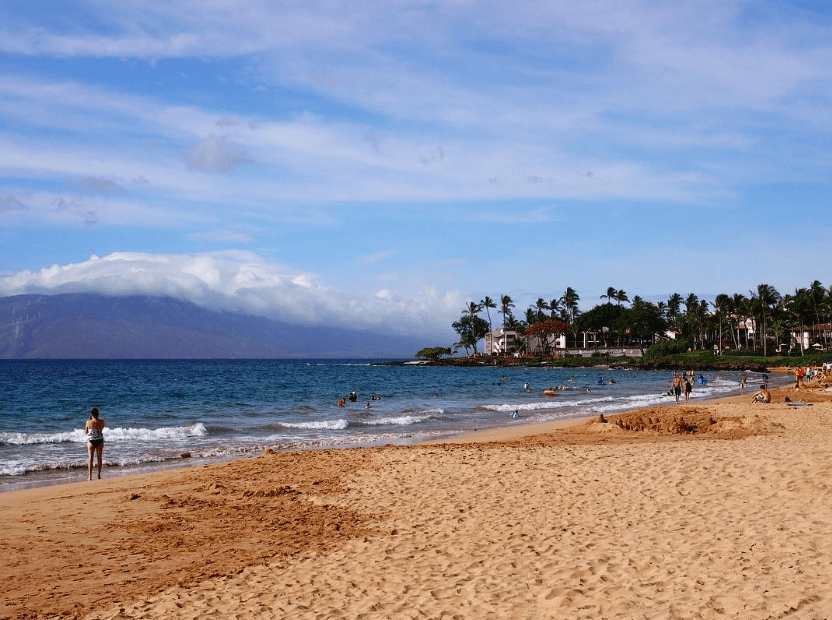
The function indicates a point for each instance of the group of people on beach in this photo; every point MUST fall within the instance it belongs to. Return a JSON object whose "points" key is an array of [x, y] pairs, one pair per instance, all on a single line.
{"points": [[809, 377], [678, 386]]}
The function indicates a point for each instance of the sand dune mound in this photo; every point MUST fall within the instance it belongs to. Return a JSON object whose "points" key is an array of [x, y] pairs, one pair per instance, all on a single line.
{"points": [[686, 422]]}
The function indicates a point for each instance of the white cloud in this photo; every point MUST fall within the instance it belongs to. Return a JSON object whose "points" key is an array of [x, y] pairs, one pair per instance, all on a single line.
{"points": [[378, 256], [243, 282], [217, 154]]}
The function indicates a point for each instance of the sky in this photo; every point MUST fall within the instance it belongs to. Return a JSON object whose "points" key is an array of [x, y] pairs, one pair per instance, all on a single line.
{"points": [[380, 164]]}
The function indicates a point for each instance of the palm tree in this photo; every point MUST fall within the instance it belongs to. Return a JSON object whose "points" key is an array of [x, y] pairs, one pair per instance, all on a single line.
{"points": [[488, 303], [473, 308], [506, 304], [611, 294], [556, 309], [766, 297], [701, 320], [570, 301], [674, 304], [739, 304], [800, 307], [539, 306], [621, 296], [816, 293], [722, 305]]}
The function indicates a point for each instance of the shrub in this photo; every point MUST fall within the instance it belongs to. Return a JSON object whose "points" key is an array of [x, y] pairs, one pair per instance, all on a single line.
{"points": [[662, 350]]}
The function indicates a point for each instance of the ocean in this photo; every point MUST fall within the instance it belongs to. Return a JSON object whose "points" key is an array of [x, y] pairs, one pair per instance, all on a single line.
{"points": [[167, 413]]}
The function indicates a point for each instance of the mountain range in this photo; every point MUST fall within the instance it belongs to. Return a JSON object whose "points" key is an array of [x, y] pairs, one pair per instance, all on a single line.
{"points": [[95, 326]]}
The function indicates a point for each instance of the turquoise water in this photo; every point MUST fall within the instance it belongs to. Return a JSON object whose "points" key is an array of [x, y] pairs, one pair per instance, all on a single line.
{"points": [[164, 413]]}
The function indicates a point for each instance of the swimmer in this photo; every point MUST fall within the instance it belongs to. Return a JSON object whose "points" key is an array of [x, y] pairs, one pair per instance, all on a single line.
{"points": [[368, 406]]}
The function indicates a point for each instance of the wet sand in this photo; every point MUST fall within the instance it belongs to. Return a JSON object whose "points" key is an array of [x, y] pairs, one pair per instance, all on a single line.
{"points": [[709, 510]]}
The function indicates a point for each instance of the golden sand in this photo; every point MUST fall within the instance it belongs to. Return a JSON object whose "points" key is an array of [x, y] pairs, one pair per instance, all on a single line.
{"points": [[713, 510]]}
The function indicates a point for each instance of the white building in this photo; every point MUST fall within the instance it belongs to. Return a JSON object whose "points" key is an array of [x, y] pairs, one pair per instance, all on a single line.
{"points": [[501, 342]]}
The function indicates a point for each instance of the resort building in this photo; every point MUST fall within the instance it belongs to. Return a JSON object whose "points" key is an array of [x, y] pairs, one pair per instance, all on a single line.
{"points": [[810, 337], [501, 342]]}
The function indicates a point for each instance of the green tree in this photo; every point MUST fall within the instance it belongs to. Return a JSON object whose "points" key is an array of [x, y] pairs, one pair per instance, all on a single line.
{"points": [[816, 294], [612, 293], [540, 307], [556, 309], [473, 308], [766, 297], [641, 322], [722, 304], [570, 301], [740, 306], [471, 329], [506, 304], [600, 319], [432, 353], [798, 307], [488, 303], [674, 305]]}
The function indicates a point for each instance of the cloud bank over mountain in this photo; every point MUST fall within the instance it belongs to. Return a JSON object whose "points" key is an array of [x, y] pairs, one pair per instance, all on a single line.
{"points": [[241, 281]]}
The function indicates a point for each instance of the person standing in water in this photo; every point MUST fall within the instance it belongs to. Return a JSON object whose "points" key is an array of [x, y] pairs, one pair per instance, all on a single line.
{"points": [[677, 386], [94, 429]]}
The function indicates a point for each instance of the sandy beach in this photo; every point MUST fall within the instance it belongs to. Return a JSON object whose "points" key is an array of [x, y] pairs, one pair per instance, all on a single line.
{"points": [[719, 509]]}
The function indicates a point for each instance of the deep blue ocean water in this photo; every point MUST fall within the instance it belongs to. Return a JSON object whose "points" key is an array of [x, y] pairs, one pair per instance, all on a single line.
{"points": [[162, 413]]}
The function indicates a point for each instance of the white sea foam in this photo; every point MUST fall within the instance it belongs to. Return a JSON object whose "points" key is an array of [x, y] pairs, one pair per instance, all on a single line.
{"points": [[330, 425], [110, 434], [549, 404], [405, 420]]}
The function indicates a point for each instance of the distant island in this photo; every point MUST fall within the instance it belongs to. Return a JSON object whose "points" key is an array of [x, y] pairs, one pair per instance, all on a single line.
{"points": [[94, 326]]}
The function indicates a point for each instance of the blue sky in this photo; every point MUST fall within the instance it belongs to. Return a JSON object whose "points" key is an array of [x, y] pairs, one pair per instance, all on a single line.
{"points": [[380, 164]]}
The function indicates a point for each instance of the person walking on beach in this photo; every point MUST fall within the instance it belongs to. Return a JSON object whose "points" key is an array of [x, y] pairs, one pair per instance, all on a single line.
{"points": [[677, 386], [742, 384], [688, 388], [94, 429]]}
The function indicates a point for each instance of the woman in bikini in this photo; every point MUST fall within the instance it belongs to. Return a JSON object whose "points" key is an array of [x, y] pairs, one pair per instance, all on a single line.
{"points": [[94, 429]]}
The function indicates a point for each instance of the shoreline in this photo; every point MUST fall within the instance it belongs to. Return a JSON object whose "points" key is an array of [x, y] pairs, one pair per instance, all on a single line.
{"points": [[579, 519], [503, 430]]}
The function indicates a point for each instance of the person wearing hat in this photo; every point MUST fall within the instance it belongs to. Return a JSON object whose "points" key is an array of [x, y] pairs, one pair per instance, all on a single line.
{"points": [[94, 429]]}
